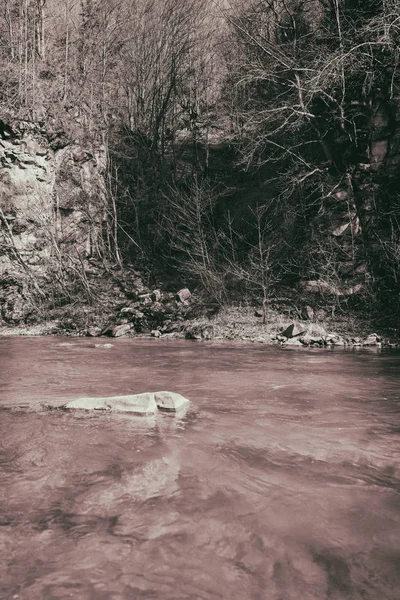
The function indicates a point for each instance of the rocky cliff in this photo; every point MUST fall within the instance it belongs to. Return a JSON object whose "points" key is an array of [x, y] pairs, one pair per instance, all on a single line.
{"points": [[52, 209]]}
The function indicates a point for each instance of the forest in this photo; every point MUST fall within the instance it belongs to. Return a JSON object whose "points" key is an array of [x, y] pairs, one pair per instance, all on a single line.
{"points": [[252, 147]]}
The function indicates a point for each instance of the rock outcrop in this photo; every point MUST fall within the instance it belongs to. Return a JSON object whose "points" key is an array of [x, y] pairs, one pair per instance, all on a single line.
{"points": [[51, 204]]}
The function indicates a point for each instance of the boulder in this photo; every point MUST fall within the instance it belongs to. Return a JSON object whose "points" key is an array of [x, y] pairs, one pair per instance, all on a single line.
{"points": [[335, 339], [120, 330], [170, 401], [292, 331], [259, 312], [117, 330], [371, 340], [155, 333], [93, 332], [309, 340], [183, 294], [142, 404]]}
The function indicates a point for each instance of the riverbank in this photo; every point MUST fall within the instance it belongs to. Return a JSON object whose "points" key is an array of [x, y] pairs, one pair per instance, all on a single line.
{"points": [[232, 323]]}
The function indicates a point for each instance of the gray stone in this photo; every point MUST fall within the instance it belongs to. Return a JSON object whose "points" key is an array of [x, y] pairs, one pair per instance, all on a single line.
{"points": [[155, 333], [170, 401], [335, 339], [371, 340], [120, 330], [142, 404], [93, 331], [183, 294]]}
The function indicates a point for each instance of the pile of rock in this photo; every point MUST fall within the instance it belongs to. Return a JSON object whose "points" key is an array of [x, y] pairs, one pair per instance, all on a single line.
{"points": [[148, 311], [14, 306], [296, 335]]}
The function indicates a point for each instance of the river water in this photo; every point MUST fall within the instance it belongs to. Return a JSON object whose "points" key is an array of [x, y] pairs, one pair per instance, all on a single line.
{"points": [[280, 482]]}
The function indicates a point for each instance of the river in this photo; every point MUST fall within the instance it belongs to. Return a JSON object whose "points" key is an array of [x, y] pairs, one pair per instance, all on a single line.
{"points": [[280, 482]]}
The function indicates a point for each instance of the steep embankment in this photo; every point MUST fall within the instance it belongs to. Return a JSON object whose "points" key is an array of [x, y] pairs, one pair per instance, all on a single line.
{"points": [[55, 229], [52, 209]]}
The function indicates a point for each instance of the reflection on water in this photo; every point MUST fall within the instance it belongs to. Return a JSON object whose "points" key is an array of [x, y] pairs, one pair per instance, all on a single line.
{"points": [[281, 482]]}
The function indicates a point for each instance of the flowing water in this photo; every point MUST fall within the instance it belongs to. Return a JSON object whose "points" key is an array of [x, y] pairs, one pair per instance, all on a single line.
{"points": [[280, 482]]}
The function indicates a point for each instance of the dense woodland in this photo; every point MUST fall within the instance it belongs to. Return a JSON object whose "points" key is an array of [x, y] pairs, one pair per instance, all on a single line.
{"points": [[252, 146]]}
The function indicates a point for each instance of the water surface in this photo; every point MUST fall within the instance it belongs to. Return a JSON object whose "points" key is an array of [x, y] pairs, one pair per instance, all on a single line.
{"points": [[281, 482]]}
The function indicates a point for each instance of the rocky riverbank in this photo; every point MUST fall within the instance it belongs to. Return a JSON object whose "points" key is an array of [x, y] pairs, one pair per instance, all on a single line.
{"points": [[129, 308]]}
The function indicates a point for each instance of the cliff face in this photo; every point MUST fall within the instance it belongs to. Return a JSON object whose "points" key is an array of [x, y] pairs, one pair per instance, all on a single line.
{"points": [[354, 237], [52, 205]]}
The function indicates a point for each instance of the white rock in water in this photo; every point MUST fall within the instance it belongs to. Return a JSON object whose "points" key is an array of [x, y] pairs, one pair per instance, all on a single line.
{"points": [[170, 401], [89, 404], [143, 404]]}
